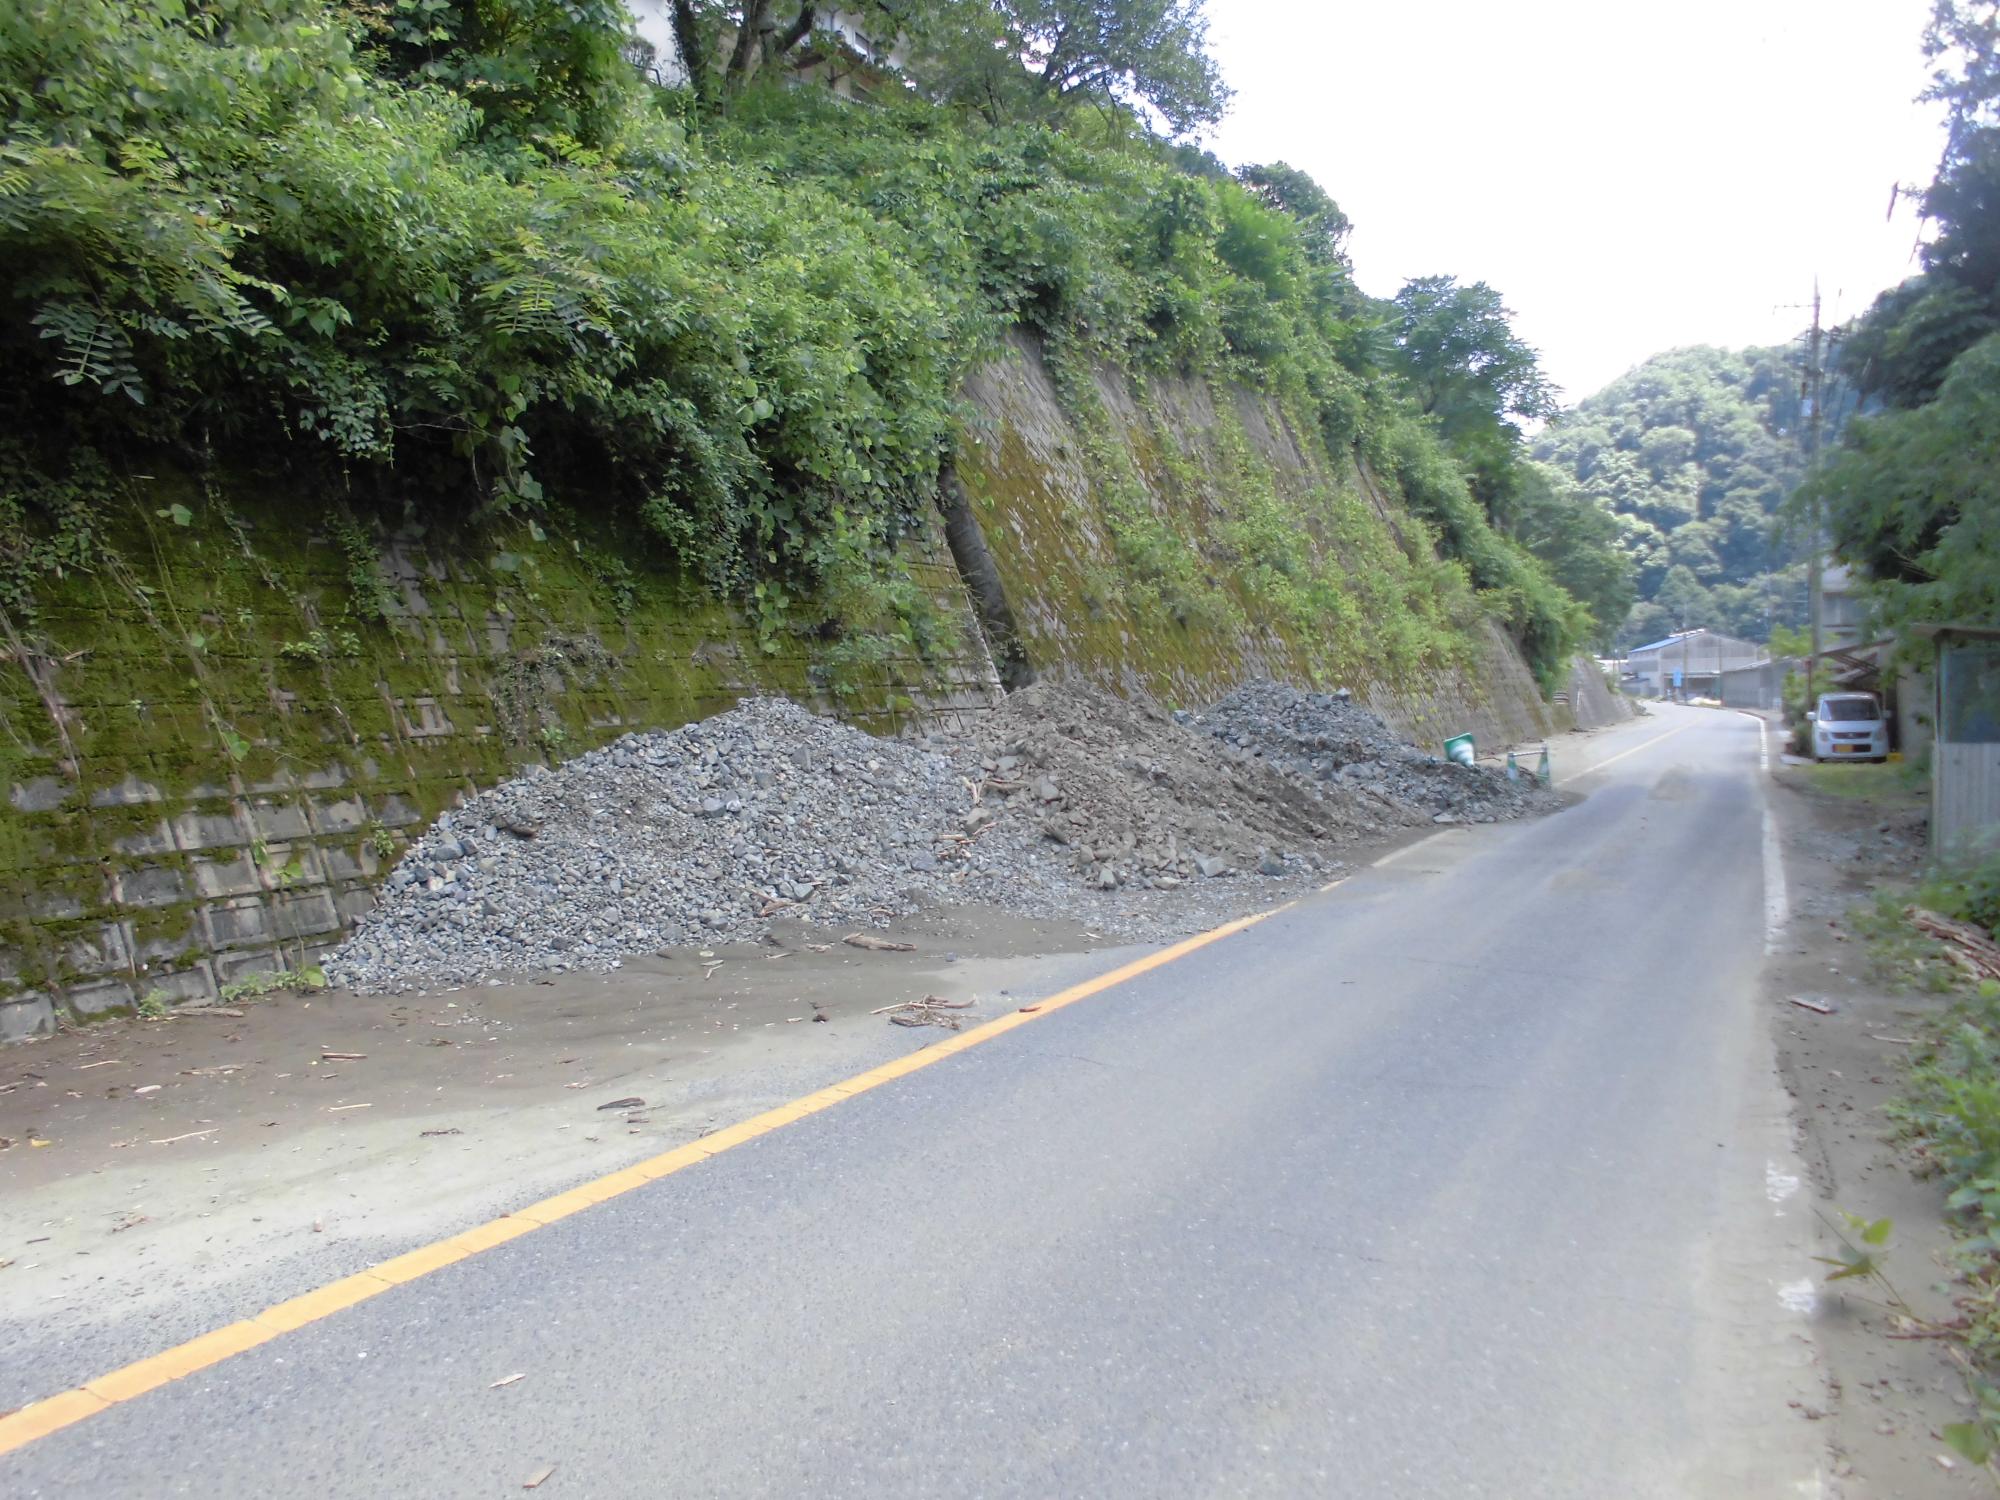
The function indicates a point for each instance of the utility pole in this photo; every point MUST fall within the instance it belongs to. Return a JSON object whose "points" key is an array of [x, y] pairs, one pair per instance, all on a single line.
{"points": [[1815, 566]]}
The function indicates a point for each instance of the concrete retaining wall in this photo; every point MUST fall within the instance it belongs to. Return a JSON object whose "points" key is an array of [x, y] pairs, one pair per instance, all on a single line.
{"points": [[210, 762], [212, 743]]}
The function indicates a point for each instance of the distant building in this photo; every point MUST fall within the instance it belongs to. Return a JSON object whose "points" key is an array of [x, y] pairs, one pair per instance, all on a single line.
{"points": [[1689, 664]]}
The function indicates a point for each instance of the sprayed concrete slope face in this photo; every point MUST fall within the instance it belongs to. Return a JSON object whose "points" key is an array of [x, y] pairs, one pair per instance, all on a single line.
{"points": [[1066, 803], [1146, 539], [1593, 700]]}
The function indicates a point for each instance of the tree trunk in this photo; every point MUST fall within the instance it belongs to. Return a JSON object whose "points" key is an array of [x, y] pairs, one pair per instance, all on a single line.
{"points": [[982, 581], [776, 46], [693, 49], [756, 17]]}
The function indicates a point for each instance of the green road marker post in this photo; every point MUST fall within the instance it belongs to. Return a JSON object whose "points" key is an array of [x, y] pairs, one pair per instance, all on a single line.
{"points": [[1458, 750], [1513, 767], [1542, 771]]}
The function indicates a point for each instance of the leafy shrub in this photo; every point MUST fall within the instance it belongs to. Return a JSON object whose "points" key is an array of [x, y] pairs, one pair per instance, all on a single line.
{"points": [[473, 251], [1971, 894], [1514, 586], [734, 358], [1951, 1113]]}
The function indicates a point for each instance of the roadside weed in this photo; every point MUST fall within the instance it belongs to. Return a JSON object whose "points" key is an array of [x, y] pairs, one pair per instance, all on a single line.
{"points": [[272, 981]]}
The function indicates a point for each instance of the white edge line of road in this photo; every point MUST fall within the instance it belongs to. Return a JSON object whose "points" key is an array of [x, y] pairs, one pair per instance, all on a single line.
{"points": [[1777, 914], [1777, 904]]}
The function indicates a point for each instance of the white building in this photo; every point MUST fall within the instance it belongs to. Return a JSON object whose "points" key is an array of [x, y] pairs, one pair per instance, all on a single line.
{"points": [[1688, 665]]}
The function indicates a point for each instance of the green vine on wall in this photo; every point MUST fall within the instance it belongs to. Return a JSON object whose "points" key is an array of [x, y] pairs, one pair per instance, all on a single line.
{"points": [[525, 696], [369, 593], [48, 526]]}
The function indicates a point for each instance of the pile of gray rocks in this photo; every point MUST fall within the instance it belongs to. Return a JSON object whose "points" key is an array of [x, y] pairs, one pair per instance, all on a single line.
{"points": [[1068, 802], [1132, 799], [1351, 755], [659, 839]]}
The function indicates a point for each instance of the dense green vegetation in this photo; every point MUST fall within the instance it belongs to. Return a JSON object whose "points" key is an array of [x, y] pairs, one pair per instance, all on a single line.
{"points": [[1698, 454], [456, 257], [1913, 495], [1949, 1115], [1470, 375], [1692, 455]]}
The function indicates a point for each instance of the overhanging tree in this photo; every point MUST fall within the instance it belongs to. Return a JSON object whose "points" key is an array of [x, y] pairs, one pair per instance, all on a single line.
{"points": [[1466, 365], [1017, 57], [1290, 191], [1009, 58]]}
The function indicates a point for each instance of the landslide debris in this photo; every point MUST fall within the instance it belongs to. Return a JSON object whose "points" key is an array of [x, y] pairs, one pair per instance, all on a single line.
{"points": [[1131, 796], [1350, 754], [1067, 801], [659, 839]]}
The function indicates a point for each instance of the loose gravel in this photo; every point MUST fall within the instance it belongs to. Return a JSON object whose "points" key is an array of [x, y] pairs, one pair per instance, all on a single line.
{"points": [[1350, 754], [1066, 802]]}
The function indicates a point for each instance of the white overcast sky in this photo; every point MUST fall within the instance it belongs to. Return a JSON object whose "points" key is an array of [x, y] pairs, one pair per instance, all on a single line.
{"points": [[1630, 177]]}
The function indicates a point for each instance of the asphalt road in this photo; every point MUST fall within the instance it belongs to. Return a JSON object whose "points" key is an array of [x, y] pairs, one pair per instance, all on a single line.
{"points": [[1449, 1181]]}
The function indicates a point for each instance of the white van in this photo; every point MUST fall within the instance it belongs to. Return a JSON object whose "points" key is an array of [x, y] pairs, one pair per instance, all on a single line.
{"points": [[1849, 726]]}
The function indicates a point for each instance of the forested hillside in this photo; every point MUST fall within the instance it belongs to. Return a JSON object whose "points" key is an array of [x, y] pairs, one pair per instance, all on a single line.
{"points": [[1692, 454], [457, 259], [1698, 453]]}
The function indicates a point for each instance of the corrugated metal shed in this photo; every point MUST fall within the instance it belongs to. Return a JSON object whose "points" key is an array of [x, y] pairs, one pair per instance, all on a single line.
{"points": [[1965, 759]]}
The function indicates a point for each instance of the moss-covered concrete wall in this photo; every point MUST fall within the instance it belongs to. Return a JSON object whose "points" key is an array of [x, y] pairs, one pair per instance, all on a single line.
{"points": [[214, 740], [215, 737]]}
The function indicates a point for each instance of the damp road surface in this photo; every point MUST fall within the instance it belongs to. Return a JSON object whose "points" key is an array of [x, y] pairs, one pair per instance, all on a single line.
{"points": [[1451, 1180]]}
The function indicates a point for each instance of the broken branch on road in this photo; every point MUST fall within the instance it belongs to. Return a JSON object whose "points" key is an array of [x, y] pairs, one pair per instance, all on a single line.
{"points": [[932, 1010]]}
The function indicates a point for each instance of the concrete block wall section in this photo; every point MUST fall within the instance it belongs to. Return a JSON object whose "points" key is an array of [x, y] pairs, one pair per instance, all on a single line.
{"points": [[174, 825], [1595, 701]]}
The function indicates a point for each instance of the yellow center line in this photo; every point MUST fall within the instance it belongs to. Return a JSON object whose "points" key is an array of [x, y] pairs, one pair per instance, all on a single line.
{"points": [[40, 1418], [1642, 745]]}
